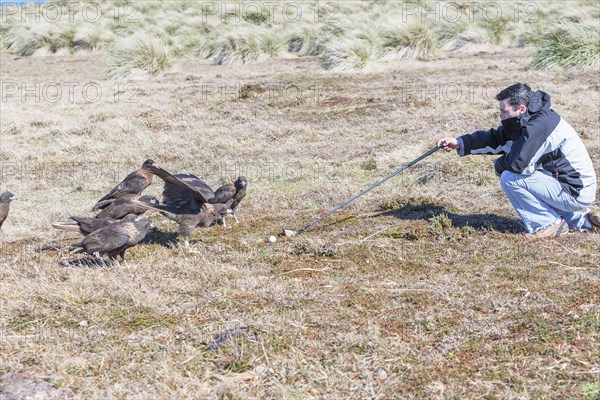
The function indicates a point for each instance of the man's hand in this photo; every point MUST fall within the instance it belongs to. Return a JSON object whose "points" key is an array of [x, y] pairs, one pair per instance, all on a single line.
{"points": [[448, 144]]}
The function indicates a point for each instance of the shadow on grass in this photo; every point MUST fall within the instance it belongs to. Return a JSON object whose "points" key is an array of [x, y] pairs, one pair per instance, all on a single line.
{"points": [[165, 239], [424, 210], [169, 240], [84, 260], [427, 210]]}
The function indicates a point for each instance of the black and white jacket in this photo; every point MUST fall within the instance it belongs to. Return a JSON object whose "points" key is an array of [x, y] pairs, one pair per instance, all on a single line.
{"points": [[544, 142]]}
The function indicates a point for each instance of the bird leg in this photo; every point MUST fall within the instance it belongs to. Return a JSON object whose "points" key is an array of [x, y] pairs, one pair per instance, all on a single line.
{"points": [[188, 248], [236, 218]]}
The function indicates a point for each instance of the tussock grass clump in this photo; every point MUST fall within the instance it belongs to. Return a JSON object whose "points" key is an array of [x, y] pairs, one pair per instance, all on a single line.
{"points": [[306, 43], [568, 46], [44, 38], [439, 224], [92, 37], [496, 29], [591, 391], [469, 39], [414, 41], [416, 231], [314, 248], [256, 17], [138, 53], [352, 54], [421, 205], [271, 44], [23, 44], [243, 47]]}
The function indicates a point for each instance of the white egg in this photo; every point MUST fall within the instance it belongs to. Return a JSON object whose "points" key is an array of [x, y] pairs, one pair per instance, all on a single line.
{"points": [[272, 239]]}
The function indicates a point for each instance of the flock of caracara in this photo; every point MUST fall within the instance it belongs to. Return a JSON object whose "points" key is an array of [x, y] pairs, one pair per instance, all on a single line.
{"points": [[118, 226]]}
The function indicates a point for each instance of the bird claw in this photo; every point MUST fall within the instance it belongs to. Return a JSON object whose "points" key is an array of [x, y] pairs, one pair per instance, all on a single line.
{"points": [[188, 249]]}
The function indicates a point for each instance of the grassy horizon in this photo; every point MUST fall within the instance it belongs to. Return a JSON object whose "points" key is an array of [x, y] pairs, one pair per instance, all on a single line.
{"points": [[347, 36]]}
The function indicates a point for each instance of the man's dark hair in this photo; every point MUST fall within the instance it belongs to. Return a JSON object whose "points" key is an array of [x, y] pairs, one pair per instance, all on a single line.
{"points": [[517, 94]]}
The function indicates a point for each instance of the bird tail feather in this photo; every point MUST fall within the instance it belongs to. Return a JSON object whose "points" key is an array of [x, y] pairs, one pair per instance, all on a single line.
{"points": [[66, 226], [77, 248], [102, 203], [156, 207]]}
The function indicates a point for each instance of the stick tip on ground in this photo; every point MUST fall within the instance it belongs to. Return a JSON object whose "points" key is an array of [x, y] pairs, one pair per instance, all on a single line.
{"points": [[288, 232]]}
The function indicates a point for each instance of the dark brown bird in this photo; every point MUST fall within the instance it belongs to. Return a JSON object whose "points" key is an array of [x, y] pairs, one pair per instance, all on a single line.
{"points": [[87, 225], [122, 206], [114, 239], [206, 215], [183, 191], [134, 183], [185, 201], [5, 199], [231, 194]]}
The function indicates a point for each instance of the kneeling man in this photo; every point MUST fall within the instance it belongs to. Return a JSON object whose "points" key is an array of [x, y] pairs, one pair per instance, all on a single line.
{"points": [[545, 169]]}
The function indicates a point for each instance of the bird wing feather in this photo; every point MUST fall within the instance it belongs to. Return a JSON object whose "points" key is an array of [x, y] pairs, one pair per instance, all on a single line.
{"points": [[134, 183], [183, 191], [239, 195], [223, 194], [119, 208], [106, 239]]}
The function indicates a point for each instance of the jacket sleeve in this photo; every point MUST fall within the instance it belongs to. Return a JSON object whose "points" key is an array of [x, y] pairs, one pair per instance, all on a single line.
{"points": [[528, 147], [493, 141]]}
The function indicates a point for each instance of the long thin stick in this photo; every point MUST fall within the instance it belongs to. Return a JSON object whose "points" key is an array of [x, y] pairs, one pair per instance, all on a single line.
{"points": [[410, 164]]}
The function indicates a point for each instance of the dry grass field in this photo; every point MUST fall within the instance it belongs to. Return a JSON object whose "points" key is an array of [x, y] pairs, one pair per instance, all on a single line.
{"points": [[423, 288]]}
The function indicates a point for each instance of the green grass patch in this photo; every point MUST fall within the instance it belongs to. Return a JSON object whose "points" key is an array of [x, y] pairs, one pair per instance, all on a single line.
{"points": [[136, 318], [573, 45]]}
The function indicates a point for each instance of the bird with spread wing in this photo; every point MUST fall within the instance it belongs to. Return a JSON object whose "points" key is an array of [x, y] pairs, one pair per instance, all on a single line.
{"points": [[186, 201]]}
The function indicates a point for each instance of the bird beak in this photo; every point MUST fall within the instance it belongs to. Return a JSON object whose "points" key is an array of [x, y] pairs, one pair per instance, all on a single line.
{"points": [[13, 198]]}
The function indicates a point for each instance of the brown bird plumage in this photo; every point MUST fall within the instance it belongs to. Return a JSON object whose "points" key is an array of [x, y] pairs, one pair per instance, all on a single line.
{"points": [[87, 225], [5, 199], [185, 201], [231, 194], [122, 206], [207, 215], [134, 183], [183, 191], [114, 239]]}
